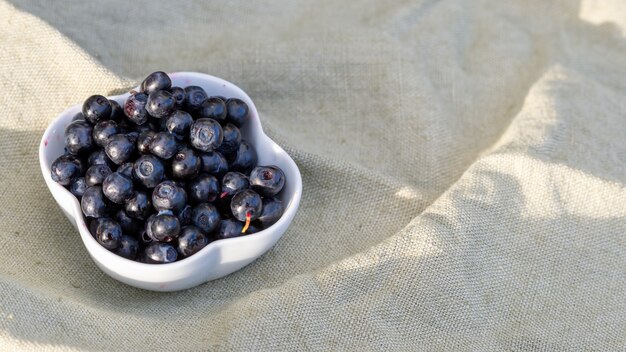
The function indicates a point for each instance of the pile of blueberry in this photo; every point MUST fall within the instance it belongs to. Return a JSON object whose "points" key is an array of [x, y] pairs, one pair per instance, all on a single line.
{"points": [[167, 173]]}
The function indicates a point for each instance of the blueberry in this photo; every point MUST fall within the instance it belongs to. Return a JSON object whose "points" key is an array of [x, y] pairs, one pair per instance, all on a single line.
{"points": [[126, 169], [144, 140], [233, 182], [132, 136], [120, 148], [244, 158], [93, 226], [130, 226], [272, 211], [160, 104], [237, 112], [185, 215], [205, 134], [127, 248], [103, 131], [246, 206], [148, 228], [78, 138], [179, 96], [148, 126], [160, 253], [96, 174], [165, 227], [97, 108], [267, 181], [78, 117], [99, 157], [230, 228], [109, 233], [163, 145], [191, 241], [135, 108], [78, 187], [149, 170], [168, 196], [179, 124], [205, 217], [195, 96], [231, 140], [117, 113], [214, 163], [144, 238], [202, 189], [213, 108], [93, 203], [138, 205], [186, 164], [117, 187], [156, 81], [64, 169]]}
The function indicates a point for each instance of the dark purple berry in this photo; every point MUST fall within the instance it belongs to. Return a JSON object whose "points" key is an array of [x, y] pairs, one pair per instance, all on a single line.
{"points": [[205, 134], [160, 253], [233, 182], [272, 211], [179, 124], [212, 108], [126, 169], [230, 228], [214, 163], [168, 196], [109, 233], [231, 140], [244, 159], [203, 189], [156, 81], [103, 131], [195, 96], [160, 104], [179, 96], [205, 217], [165, 227], [78, 138], [78, 187], [237, 112], [97, 108], [246, 206], [99, 157], [191, 241], [127, 248], [120, 148], [117, 187], [163, 145], [117, 113], [64, 169], [185, 215], [130, 226], [93, 203], [96, 174], [135, 108], [149, 170], [139, 205], [78, 117], [144, 140], [186, 164], [267, 181]]}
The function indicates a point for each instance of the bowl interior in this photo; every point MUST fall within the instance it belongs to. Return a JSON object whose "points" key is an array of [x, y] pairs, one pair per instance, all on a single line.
{"points": [[269, 153]]}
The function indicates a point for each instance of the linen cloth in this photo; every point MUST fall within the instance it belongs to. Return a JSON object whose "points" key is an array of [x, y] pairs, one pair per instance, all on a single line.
{"points": [[463, 163]]}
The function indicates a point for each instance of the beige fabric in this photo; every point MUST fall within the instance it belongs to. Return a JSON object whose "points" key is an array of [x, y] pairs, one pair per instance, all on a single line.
{"points": [[464, 169]]}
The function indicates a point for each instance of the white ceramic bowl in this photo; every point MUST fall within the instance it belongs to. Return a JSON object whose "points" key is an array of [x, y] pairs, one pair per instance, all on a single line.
{"points": [[217, 259]]}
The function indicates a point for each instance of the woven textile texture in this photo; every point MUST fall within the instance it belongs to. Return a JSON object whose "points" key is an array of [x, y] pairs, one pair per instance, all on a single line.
{"points": [[463, 163]]}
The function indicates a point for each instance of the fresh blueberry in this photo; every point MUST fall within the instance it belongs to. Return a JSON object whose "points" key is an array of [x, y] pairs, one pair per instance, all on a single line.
{"points": [[244, 159], [214, 163], [103, 131], [179, 96], [109, 233], [120, 148], [163, 145], [127, 248], [148, 228], [97, 108], [144, 140], [135, 108], [232, 183], [168, 196], [78, 187], [212, 108], [130, 226], [195, 96], [179, 124], [204, 188], [205, 134], [99, 157], [117, 187], [191, 241], [126, 169], [156, 81], [78, 117], [132, 136], [272, 211], [246, 206], [230, 228], [267, 181], [78, 138], [185, 215], [96, 174], [231, 140], [237, 112], [160, 253], [64, 169], [205, 217], [144, 238], [117, 113], [93, 226], [148, 126], [93, 203], [160, 104], [138, 206], [186, 164], [165, 227], [149, 170]]}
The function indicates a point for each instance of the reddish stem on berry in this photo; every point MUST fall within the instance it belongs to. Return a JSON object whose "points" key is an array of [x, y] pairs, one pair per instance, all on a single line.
{"points": [[224, 194], [245, 227]]}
